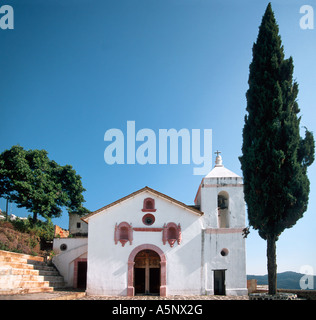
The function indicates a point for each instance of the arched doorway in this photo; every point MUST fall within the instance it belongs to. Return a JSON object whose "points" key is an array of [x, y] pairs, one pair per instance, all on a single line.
{"points": [[146, 271]]}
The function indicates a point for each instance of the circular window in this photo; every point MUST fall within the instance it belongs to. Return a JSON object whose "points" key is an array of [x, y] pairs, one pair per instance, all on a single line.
{"points": [[148, 219], [63, 247], [224, 252]]}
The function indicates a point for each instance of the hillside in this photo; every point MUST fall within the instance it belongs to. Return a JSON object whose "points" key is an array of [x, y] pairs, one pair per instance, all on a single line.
{"points": [[19, 236], [285, 280]]}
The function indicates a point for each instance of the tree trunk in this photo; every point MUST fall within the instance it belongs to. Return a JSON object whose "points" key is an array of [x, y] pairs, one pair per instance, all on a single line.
{"points": [[34, 217], [6, 210], [272, 266]]}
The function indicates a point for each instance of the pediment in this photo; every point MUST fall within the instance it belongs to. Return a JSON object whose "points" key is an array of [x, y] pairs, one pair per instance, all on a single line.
{"points": [[146, 191]]}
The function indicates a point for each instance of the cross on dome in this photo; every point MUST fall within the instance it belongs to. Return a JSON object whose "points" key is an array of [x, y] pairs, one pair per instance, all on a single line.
{"points": [[218, 160]]}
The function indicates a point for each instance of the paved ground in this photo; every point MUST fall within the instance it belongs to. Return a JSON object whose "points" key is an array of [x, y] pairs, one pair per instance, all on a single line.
{"points": [[77, 295], [55, 295]]}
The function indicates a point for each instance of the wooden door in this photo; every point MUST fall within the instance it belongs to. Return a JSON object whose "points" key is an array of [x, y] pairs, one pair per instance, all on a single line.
{"points": [[147, 272], [82, 275]]}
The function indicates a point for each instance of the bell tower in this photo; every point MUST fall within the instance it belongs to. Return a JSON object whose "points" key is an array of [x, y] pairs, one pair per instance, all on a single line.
{"points": [[221, 198]]}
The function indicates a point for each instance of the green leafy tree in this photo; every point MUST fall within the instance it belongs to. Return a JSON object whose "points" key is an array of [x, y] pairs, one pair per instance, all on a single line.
{"points": [[33, 181], [274, 157]]}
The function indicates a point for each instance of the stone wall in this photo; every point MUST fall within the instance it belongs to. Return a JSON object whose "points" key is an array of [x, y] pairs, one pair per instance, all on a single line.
{"points": [[252, 285], [59, 232], [305, 294]]}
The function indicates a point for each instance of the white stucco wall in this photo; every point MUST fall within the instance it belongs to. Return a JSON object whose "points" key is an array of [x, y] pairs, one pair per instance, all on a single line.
{"points": [[234, 263], [209, 191], [64, 260], [215, 239], [107, 262], [190, 265]]}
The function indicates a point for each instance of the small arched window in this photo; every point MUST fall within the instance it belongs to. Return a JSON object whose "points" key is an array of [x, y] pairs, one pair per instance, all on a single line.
{"points": [[171, 233], [123, 233], [149, 205], [223, 209]]}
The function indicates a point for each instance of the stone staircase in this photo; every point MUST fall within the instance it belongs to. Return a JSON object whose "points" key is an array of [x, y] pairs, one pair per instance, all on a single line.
{"points": [[22, 273]]}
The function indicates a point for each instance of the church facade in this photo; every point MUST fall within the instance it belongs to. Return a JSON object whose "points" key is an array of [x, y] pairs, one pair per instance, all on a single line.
{"points": [[150, 243]]}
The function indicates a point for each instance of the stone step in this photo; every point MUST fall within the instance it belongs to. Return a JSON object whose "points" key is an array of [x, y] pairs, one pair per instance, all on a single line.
{"points": [[20, 256], [43, 267], [52, 272], [48, 272], [9, 278], [24, 290], [17, 265], [8, 259], [21, 277], [55, 281], [12, 284], [18, 271], [21, 273], [14, 259], [56, 285], [53, 278]]}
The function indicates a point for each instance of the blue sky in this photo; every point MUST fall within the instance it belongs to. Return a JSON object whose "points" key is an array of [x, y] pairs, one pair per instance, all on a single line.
{"points": [[71, 70]]}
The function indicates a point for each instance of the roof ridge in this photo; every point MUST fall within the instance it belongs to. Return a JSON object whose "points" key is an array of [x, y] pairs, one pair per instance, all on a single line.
{"points": [[146, 188]]}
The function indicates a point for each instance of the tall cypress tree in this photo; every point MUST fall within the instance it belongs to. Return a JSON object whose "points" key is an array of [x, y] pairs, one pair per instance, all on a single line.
{"points": [[274, 157]]}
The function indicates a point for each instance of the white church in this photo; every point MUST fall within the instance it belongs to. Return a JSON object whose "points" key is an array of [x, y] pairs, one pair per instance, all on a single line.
{"points": [[148, 243]]}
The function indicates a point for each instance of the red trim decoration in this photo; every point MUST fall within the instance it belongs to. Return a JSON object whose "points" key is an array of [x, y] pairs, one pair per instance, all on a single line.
{"points": [[163, 269], [123, 233], [149, 205], [148, 229], [171, 233], [148, 219]]}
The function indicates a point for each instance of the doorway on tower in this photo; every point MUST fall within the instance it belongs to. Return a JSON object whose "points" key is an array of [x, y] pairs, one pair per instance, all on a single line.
{"points": [[219, 282], [147, 273]]}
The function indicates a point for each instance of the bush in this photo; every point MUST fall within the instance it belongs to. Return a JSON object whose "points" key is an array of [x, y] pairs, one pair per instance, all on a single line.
{"points": [[42, 229], [24, 236], [21, 225]]}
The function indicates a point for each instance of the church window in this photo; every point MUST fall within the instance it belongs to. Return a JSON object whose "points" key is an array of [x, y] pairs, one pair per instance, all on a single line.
{"points": [[224, 252], [63, 247], [171, 234], [123, 233], [148, 219], [149, 205]]}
